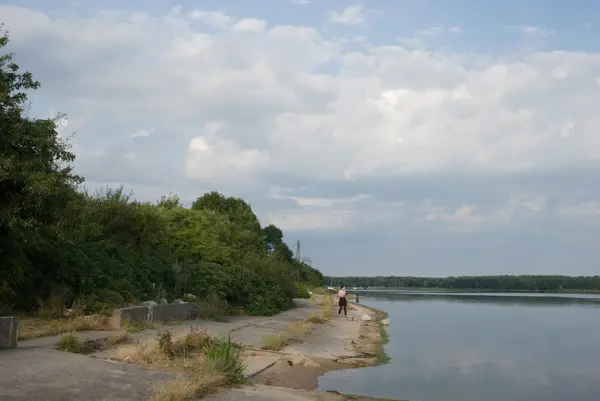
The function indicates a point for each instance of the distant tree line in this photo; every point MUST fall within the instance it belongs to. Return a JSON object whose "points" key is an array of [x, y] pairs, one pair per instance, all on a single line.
{"points": [[474, 283], [62, 245]]}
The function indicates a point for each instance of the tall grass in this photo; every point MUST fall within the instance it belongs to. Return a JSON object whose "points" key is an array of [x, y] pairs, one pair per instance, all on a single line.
{"points": [[221, 365], [225, 358]]}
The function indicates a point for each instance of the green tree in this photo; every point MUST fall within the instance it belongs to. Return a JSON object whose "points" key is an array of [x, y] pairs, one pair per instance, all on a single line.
{"points": [[275, 244], [235, 209], [36, 179]]}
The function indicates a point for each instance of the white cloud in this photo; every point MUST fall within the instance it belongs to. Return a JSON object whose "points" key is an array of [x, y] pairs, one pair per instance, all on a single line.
{"points": [[211, 158], [250, 25], [533, 32], [323, 202], [294, 220], [469, 217], [141, 133], [214, 18], [351, 15], [241, 98]]}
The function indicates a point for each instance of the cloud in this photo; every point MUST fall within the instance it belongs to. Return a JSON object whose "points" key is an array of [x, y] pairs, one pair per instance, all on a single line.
{"points": [[534, 31], [403, 141], [425, 37], [351, 15]]}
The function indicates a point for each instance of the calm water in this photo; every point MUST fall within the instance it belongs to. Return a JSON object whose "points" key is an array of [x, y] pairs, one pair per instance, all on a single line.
{"points": [[471, 347]]}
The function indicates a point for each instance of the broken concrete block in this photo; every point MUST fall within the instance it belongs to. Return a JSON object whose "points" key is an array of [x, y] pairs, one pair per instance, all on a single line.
{"points": [[366, 317]]}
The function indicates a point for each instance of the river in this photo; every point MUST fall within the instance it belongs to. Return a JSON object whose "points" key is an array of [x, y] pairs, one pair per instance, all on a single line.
{"points": [[480, 347]]}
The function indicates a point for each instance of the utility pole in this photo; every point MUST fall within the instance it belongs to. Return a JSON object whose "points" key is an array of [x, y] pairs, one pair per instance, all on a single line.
{"points": [[298, 250]]}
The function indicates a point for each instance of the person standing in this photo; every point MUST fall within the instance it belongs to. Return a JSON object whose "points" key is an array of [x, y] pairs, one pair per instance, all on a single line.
{"points": [[343, 302]]}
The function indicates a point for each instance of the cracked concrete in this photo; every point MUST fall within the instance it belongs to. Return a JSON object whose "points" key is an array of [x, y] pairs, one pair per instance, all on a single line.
{"points": [[36, 371]]}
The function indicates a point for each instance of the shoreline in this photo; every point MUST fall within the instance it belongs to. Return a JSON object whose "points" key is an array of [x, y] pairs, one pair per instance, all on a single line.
{"points": [[377, 290], [302, 365]]}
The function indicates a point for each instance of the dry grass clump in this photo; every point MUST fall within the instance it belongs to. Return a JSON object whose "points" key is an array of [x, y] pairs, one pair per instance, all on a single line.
{"points": [[325, 313], [71, 343], [221, 365], [183, 352], [35, 327], [132, 326], [300, 327], [279, 341], [316, 318], [188, 389], [327, 308]]}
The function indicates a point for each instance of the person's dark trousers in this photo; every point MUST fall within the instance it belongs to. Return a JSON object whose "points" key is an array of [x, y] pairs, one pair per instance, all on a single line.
{"points": [[343, 305]]}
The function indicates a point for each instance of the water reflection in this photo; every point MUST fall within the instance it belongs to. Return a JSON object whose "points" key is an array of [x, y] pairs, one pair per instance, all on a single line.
{"points": [[507, 299], [451, 347]]}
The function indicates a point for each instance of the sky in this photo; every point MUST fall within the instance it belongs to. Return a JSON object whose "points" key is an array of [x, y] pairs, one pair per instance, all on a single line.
{"points": [[407, 137]]}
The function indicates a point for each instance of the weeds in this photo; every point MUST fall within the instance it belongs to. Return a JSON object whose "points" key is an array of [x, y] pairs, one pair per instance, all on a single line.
{"points": [[220, 366], [134, 326], [40, 327], [200, 385], [316, 318], [71, 343], [225, 358], [182, 353], [276, 342], [301, 327]]}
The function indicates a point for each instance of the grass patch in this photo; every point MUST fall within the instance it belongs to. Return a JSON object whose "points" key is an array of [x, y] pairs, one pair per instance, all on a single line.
{"points": [[316, 318], [132, 326], [199, 386], [276, 342], [224, 358], [300, 327], [181, 353], [327, 308], [31, 327], [221, 365], [71, 343]]}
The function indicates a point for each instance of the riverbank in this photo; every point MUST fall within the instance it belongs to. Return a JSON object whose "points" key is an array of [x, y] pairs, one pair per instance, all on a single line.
{"points": [[283, 353], [338, 343]]}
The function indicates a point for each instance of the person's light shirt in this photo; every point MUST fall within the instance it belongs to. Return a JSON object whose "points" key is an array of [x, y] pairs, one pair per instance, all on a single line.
{"points": [[342, 294]]}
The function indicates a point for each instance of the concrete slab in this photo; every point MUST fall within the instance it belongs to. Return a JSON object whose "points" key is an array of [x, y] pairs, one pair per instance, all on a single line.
{"points": [[9, 332], [49, 375]]}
